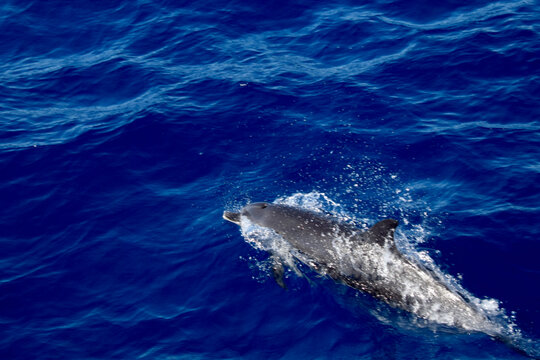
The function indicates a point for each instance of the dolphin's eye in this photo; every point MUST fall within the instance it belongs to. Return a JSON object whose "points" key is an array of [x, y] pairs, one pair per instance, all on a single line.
{"points": [[263, 206]]}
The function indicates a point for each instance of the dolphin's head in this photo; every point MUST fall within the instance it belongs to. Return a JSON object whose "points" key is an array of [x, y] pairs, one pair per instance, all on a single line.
{"points": [[255, 212], [304, 229], [281, 218], [258, 213]]}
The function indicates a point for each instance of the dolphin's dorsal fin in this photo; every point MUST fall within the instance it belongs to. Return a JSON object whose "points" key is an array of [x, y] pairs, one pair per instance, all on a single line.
{"points": [[383, 232]]}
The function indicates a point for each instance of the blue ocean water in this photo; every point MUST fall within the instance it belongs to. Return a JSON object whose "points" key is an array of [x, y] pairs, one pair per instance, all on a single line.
{"points": [[128, 127]]}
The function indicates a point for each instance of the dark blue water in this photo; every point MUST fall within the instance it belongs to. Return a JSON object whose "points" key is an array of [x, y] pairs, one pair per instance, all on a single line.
{"points": [[128, 127]]}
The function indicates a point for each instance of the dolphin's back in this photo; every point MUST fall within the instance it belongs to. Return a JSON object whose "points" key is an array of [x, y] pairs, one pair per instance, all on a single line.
{"points": [[369, 261], [309, 232]]}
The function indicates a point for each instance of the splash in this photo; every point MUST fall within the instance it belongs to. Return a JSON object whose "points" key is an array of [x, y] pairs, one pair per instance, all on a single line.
{"points": [[267, 240]]}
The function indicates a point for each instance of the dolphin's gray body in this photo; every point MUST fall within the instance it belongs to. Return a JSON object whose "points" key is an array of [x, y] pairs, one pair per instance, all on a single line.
{"points": [[365, 260]]}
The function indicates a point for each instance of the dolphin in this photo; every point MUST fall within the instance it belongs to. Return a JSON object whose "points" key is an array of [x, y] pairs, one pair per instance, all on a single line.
{"points": [[366, 260]]}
